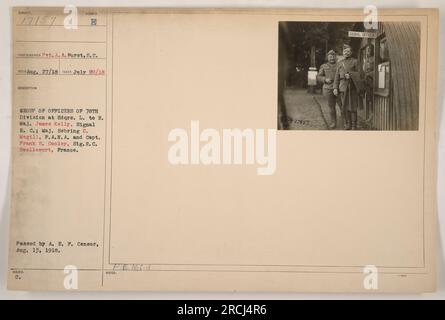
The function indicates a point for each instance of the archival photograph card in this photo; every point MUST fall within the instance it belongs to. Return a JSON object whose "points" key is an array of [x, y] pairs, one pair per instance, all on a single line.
{"points": [[277, 150]]}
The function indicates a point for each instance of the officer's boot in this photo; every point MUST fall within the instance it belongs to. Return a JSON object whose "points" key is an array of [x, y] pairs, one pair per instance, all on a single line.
{"points": [[354, 120], [333, 114], [347, 118]]}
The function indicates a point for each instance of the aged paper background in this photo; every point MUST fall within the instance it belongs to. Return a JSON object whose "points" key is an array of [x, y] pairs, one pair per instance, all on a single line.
{"points": [[160, 227]]}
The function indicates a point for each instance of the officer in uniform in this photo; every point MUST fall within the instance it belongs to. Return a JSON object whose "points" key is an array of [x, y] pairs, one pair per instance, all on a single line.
{"points": [[326, 76], [347, 69]]}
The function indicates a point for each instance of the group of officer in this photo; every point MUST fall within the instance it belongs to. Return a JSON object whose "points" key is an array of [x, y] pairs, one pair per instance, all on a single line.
{"points": [[340, 87]]}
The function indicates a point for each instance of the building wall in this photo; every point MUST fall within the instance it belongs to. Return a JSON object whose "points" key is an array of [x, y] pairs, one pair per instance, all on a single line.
{"points": [[404, 52], [396, 107]]}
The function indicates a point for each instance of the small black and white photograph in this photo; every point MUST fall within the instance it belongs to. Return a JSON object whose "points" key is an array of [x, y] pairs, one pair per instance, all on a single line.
{"points": [[343, 76]]}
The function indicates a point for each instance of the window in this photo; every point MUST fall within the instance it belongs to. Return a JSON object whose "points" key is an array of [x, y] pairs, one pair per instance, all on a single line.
{"points": [[382, 79]]}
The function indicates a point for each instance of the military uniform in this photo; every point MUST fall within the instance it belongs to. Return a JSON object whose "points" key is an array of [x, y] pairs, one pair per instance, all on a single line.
{"points": [[326, 75], [348, 90]]}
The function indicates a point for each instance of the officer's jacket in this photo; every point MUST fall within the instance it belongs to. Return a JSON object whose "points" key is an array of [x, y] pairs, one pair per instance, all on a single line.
{"points": [[327, 71], [344, 66]]}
